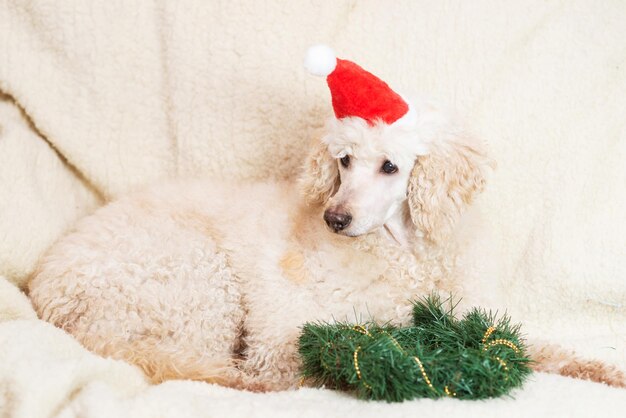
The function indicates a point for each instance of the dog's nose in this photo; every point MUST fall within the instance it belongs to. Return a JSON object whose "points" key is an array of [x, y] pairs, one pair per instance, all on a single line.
{"points": [[336, 220]]}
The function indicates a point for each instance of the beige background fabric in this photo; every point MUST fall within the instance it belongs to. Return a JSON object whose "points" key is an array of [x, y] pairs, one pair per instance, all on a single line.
{"points": [[100, 98]]}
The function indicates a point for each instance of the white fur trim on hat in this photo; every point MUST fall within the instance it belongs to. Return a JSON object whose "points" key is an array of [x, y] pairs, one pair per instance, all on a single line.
{"points": [[320, 60]]}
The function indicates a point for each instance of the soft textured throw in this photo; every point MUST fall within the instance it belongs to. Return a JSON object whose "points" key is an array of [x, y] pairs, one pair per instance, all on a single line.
{"points": [[102, 97]]}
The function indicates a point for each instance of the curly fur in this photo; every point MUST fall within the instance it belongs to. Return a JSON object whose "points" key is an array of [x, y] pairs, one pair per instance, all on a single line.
{"points": [[320, 177], [211, 280], [443, 183]]}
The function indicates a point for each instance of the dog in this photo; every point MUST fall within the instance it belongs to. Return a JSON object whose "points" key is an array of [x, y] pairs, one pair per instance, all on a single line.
{"points": [[212, 280]]}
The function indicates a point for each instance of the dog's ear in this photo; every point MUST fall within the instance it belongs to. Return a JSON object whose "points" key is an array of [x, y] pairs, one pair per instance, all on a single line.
{"points": [[444, 182], [320, 175]]}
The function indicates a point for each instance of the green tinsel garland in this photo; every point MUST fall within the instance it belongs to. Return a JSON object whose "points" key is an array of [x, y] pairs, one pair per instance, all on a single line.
{"points": [[476, 357]]}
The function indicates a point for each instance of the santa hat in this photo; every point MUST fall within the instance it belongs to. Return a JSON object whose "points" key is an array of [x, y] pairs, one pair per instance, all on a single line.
{"points": [[354, 91]]}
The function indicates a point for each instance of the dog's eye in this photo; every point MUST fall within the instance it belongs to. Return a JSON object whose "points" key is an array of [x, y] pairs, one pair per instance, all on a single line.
{"points": [[389, 167], [345, 161]]}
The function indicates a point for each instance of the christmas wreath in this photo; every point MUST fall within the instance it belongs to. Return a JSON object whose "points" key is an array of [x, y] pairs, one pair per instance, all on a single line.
{"points": [[476, 357]]}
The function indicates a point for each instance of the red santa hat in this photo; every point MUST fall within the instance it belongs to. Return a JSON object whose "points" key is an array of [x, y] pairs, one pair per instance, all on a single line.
{"points": [[354, 91]]}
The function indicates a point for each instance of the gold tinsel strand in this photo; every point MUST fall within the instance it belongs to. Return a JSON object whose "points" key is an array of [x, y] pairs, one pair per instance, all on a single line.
{"points": [[501, 341], [417, 360], [356, 366], [426, 379], [361, 329], [448, 392], [502, 363], [488, 333]]}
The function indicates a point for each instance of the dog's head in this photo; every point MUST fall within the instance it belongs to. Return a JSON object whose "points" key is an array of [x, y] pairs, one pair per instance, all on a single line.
{"points": [[364, 175]]}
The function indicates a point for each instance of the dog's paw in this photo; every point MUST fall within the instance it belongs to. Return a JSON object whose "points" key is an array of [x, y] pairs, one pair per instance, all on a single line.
{"points": [[552, 358], [594, 370]]}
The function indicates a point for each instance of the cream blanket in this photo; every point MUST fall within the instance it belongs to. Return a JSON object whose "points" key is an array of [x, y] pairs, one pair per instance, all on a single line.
{"points": [[102, 97]]}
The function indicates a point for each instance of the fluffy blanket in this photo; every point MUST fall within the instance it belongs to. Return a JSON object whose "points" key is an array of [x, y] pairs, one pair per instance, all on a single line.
{"points": [[99, 98]]}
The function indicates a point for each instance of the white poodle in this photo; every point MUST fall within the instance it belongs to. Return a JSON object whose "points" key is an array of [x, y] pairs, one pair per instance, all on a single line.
{"points": [[211, 280]]}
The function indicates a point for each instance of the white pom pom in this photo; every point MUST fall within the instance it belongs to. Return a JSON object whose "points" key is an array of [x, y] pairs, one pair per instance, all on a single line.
{"points": [[320, 60]]}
